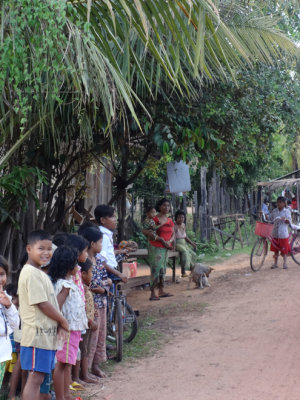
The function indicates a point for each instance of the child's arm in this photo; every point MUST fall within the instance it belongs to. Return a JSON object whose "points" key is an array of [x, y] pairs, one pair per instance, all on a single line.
{"points": [[115, 272], [98, 290], [62, 295], [47, 308], [10, 310]]}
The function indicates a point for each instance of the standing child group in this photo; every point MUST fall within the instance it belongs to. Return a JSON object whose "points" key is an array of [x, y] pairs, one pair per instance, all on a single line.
{"points": [[62, 298]]}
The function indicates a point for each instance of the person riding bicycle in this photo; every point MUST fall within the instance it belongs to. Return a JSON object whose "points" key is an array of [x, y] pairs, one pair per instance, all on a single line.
{"points": [[281, 217]]}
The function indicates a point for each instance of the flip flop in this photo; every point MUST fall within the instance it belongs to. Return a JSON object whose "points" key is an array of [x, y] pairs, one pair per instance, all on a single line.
{"points": [[76, 386], [166, 295], [154, 298]]}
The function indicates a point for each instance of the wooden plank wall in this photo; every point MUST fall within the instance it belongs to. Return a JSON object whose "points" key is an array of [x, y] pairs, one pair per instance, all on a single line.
{"points": [[99, 181]]}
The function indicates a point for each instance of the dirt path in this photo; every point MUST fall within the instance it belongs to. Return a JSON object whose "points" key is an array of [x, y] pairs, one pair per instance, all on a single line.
{"points": [[245, 346]]}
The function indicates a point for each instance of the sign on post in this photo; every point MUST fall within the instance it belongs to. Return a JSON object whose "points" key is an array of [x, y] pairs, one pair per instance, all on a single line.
{"points": [[178, 177]]}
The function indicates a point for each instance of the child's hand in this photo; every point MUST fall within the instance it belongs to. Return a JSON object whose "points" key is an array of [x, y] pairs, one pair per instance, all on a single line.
{"points": [[123, 278], [92, 325], [109, 282], [64, 325], [4, 299]]}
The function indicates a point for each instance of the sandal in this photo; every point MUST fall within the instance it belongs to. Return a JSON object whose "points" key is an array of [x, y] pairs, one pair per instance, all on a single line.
{"points": [[76, 386], [166, 295], [154, 298], [285, 266], [274, 266]]}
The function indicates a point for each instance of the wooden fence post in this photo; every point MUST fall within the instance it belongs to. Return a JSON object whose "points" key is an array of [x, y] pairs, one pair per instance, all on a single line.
{"points": [[203, 207], [196, 212]]}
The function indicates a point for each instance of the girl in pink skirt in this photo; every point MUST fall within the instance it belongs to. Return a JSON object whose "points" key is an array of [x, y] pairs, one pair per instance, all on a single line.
{"points": [[63, 267]]}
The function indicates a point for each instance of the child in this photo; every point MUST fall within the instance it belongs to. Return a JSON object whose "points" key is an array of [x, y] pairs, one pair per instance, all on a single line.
{"points": [[39, 313], [15, 366], [62, 267], [188, 257], [99, 286], [105, 217], [150, 226], [81, 246], [280, 234], [9, 320], [86, 275]]}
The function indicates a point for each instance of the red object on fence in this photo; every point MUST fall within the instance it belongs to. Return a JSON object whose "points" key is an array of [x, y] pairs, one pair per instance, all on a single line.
{"points": [[130, 269], [263, 229]]}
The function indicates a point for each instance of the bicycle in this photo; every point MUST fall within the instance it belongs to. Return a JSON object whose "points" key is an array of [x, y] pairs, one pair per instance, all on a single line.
{"points": [[122, 323], [260, 247]]}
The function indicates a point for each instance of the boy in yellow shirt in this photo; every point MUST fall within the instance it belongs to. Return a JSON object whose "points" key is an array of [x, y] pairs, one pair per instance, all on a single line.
{"points": [[39, 313]]}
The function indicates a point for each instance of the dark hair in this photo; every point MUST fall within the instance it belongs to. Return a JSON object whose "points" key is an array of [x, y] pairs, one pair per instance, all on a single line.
{"points": [[84, 226], [85, 266], [60, 238], [35, 236], [289, 201], [179, 212], [281, 198], [103, 211], [92, 235], [79, 243], [4, 264], [266, 200], [148, 209], [12, 289], [160, 203], [64, 260]]}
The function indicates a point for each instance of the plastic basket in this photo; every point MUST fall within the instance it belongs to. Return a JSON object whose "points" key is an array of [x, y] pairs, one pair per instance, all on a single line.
{"points": [[262, 229]]}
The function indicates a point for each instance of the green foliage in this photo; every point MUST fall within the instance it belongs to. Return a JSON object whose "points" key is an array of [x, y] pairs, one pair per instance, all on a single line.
{"points": [[23, 78], [140, 239], [16, 190]]}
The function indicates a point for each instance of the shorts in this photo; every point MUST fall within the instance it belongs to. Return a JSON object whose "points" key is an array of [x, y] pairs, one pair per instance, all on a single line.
{"points": [[281, 245], [68, 354], [85, 343], [35, 359], [11, 363]]}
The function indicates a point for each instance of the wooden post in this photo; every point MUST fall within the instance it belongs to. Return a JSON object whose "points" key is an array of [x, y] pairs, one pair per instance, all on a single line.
{"points": [[203, 207], [196, 212], [184, 203], [239, 230]]}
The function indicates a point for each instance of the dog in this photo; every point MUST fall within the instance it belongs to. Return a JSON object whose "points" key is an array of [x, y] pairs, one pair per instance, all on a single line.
{"points": [[200, 275]]}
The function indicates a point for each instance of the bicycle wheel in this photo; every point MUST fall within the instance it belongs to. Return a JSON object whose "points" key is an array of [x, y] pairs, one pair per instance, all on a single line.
{"points": [[295, 249], [118, 320], [258, 254], [130, 324]]}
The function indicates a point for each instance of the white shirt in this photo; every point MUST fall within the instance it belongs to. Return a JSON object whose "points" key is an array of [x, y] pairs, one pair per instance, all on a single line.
{"points": [[9, 320], [108, 252], [280, 230], [73, 308]]}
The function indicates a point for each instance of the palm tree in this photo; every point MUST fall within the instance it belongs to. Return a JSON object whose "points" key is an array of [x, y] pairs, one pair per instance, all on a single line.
{"points": [[129, 50]]}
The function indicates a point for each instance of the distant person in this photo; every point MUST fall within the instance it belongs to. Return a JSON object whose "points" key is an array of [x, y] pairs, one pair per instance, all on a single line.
{"points": [[281, 217], [150, 225], [158, 252], [188, 257], [265, 208], [294, 204]]}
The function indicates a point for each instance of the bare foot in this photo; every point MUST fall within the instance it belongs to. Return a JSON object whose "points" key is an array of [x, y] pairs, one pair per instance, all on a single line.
{"points": [[97, 372], [88, 379]]}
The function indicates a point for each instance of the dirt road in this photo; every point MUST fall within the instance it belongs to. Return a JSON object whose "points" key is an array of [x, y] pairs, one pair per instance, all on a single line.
{"points": [[244, 346]]}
